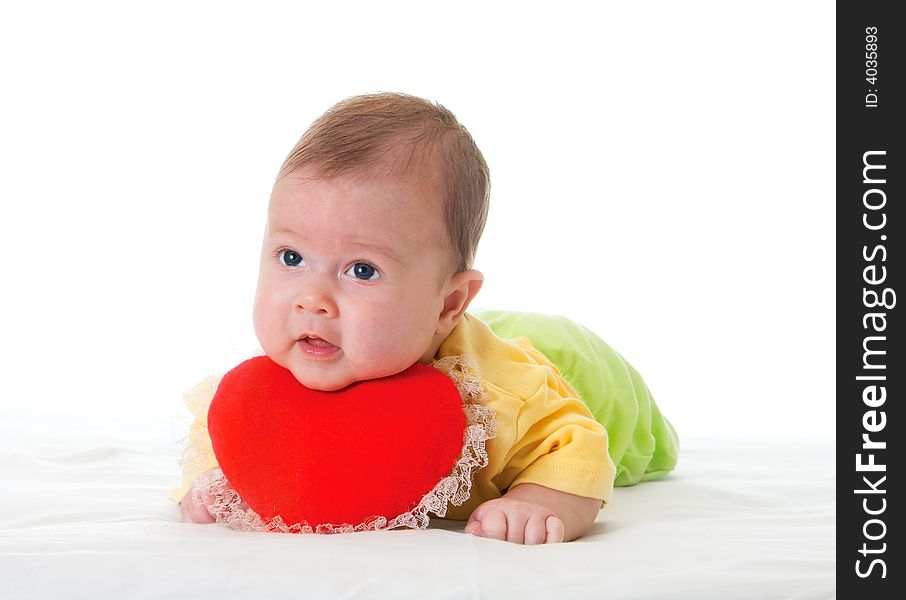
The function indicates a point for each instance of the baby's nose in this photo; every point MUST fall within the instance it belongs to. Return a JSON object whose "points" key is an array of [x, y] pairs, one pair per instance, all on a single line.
{"points": [[317, 300]]}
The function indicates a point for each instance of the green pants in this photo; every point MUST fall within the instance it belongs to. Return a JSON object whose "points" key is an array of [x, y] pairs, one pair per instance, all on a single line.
{"points": [[642, 443]]}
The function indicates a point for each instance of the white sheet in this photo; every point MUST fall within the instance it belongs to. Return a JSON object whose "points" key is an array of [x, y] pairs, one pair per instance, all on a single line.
{"points": [[84, 513]]}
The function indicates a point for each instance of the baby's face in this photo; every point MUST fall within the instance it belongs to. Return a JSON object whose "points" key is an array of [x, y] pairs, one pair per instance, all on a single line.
{"points": [[348, 287]]}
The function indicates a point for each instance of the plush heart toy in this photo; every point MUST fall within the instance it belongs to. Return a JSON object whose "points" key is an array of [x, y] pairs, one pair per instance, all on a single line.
{"points": [[374, 448]]}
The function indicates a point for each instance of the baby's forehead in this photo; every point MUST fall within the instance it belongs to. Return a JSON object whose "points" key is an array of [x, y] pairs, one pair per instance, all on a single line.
{"points": [[388, 181], [376, 200]]}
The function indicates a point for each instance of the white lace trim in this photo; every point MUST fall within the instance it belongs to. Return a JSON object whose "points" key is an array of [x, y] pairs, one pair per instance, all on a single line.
{"points": [[225, 505]]}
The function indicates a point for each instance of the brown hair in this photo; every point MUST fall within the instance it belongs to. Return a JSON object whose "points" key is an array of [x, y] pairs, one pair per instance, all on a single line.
{"points": [[402, 135]]}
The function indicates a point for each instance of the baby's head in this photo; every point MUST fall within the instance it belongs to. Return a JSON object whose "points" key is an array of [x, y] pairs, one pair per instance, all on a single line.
{"points": [[372, 228]]}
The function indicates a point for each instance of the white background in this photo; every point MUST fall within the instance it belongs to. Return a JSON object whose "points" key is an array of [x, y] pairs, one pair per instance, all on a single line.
{"points": [[662, 172]]}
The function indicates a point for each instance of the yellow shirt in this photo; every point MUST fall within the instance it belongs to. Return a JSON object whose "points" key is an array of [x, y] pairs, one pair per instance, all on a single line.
{"points": [[545, 433]]}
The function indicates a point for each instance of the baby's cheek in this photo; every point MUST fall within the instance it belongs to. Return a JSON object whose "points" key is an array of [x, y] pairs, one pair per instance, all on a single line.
{"points": [[380, 345], [388, 349], [262, 325], [269, 325], [394, 332]]}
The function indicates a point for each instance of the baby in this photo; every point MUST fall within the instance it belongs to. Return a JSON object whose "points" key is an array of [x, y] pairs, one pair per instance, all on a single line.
{"points": [[366, 268]]}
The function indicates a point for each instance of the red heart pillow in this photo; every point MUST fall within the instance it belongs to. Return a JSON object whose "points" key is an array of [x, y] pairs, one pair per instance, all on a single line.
{"points": [[374, 448]]}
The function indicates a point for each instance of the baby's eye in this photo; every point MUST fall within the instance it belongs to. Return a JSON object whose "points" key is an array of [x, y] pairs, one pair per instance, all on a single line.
{"points": [[363, 271], [290, 258]]}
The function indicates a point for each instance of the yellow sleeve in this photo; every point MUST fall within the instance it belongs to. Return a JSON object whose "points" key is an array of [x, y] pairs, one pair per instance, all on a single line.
{"points": [[198, 456], [559, 444]]}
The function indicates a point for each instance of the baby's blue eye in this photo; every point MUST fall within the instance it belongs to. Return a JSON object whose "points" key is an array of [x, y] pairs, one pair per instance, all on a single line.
{"points": [[290, 258], [363, 271]]}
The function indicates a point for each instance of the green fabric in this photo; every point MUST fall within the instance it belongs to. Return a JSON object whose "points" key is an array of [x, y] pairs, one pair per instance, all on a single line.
{"points": [[642, 443]]}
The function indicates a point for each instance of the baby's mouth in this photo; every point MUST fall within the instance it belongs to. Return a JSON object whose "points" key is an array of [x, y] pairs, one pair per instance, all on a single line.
{"points": [[316, 341], [315, 346]]}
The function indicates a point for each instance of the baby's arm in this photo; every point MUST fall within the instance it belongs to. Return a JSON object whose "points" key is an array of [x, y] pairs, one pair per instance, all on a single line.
{"points": [[193, 511], [199, 454], [216, 498], [533, 514]]}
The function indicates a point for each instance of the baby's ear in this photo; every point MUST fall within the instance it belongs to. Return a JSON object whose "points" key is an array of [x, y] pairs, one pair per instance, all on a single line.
{"points": [[459, 293]]}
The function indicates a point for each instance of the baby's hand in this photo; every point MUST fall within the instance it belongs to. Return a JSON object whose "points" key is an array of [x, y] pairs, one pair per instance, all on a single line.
{"points": [[516, 521], [195, 512]]}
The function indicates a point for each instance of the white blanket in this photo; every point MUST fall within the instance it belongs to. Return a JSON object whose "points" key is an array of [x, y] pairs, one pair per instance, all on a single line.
{"points": [[84, 513]]}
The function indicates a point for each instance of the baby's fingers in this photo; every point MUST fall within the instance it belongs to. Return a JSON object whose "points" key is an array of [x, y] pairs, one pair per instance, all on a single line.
{"points": [[535, 529], [493, 524], [193, 512], [555, 530]]}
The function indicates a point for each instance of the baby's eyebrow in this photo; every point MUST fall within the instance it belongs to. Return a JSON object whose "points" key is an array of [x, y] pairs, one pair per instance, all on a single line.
{"points": [[383, 250]]}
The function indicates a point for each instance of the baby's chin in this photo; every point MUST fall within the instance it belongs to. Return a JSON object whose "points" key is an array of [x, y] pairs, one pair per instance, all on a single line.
{"points": [[322, 384], [328, 384], [325, 381], [325, 386], [332, 379]]}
